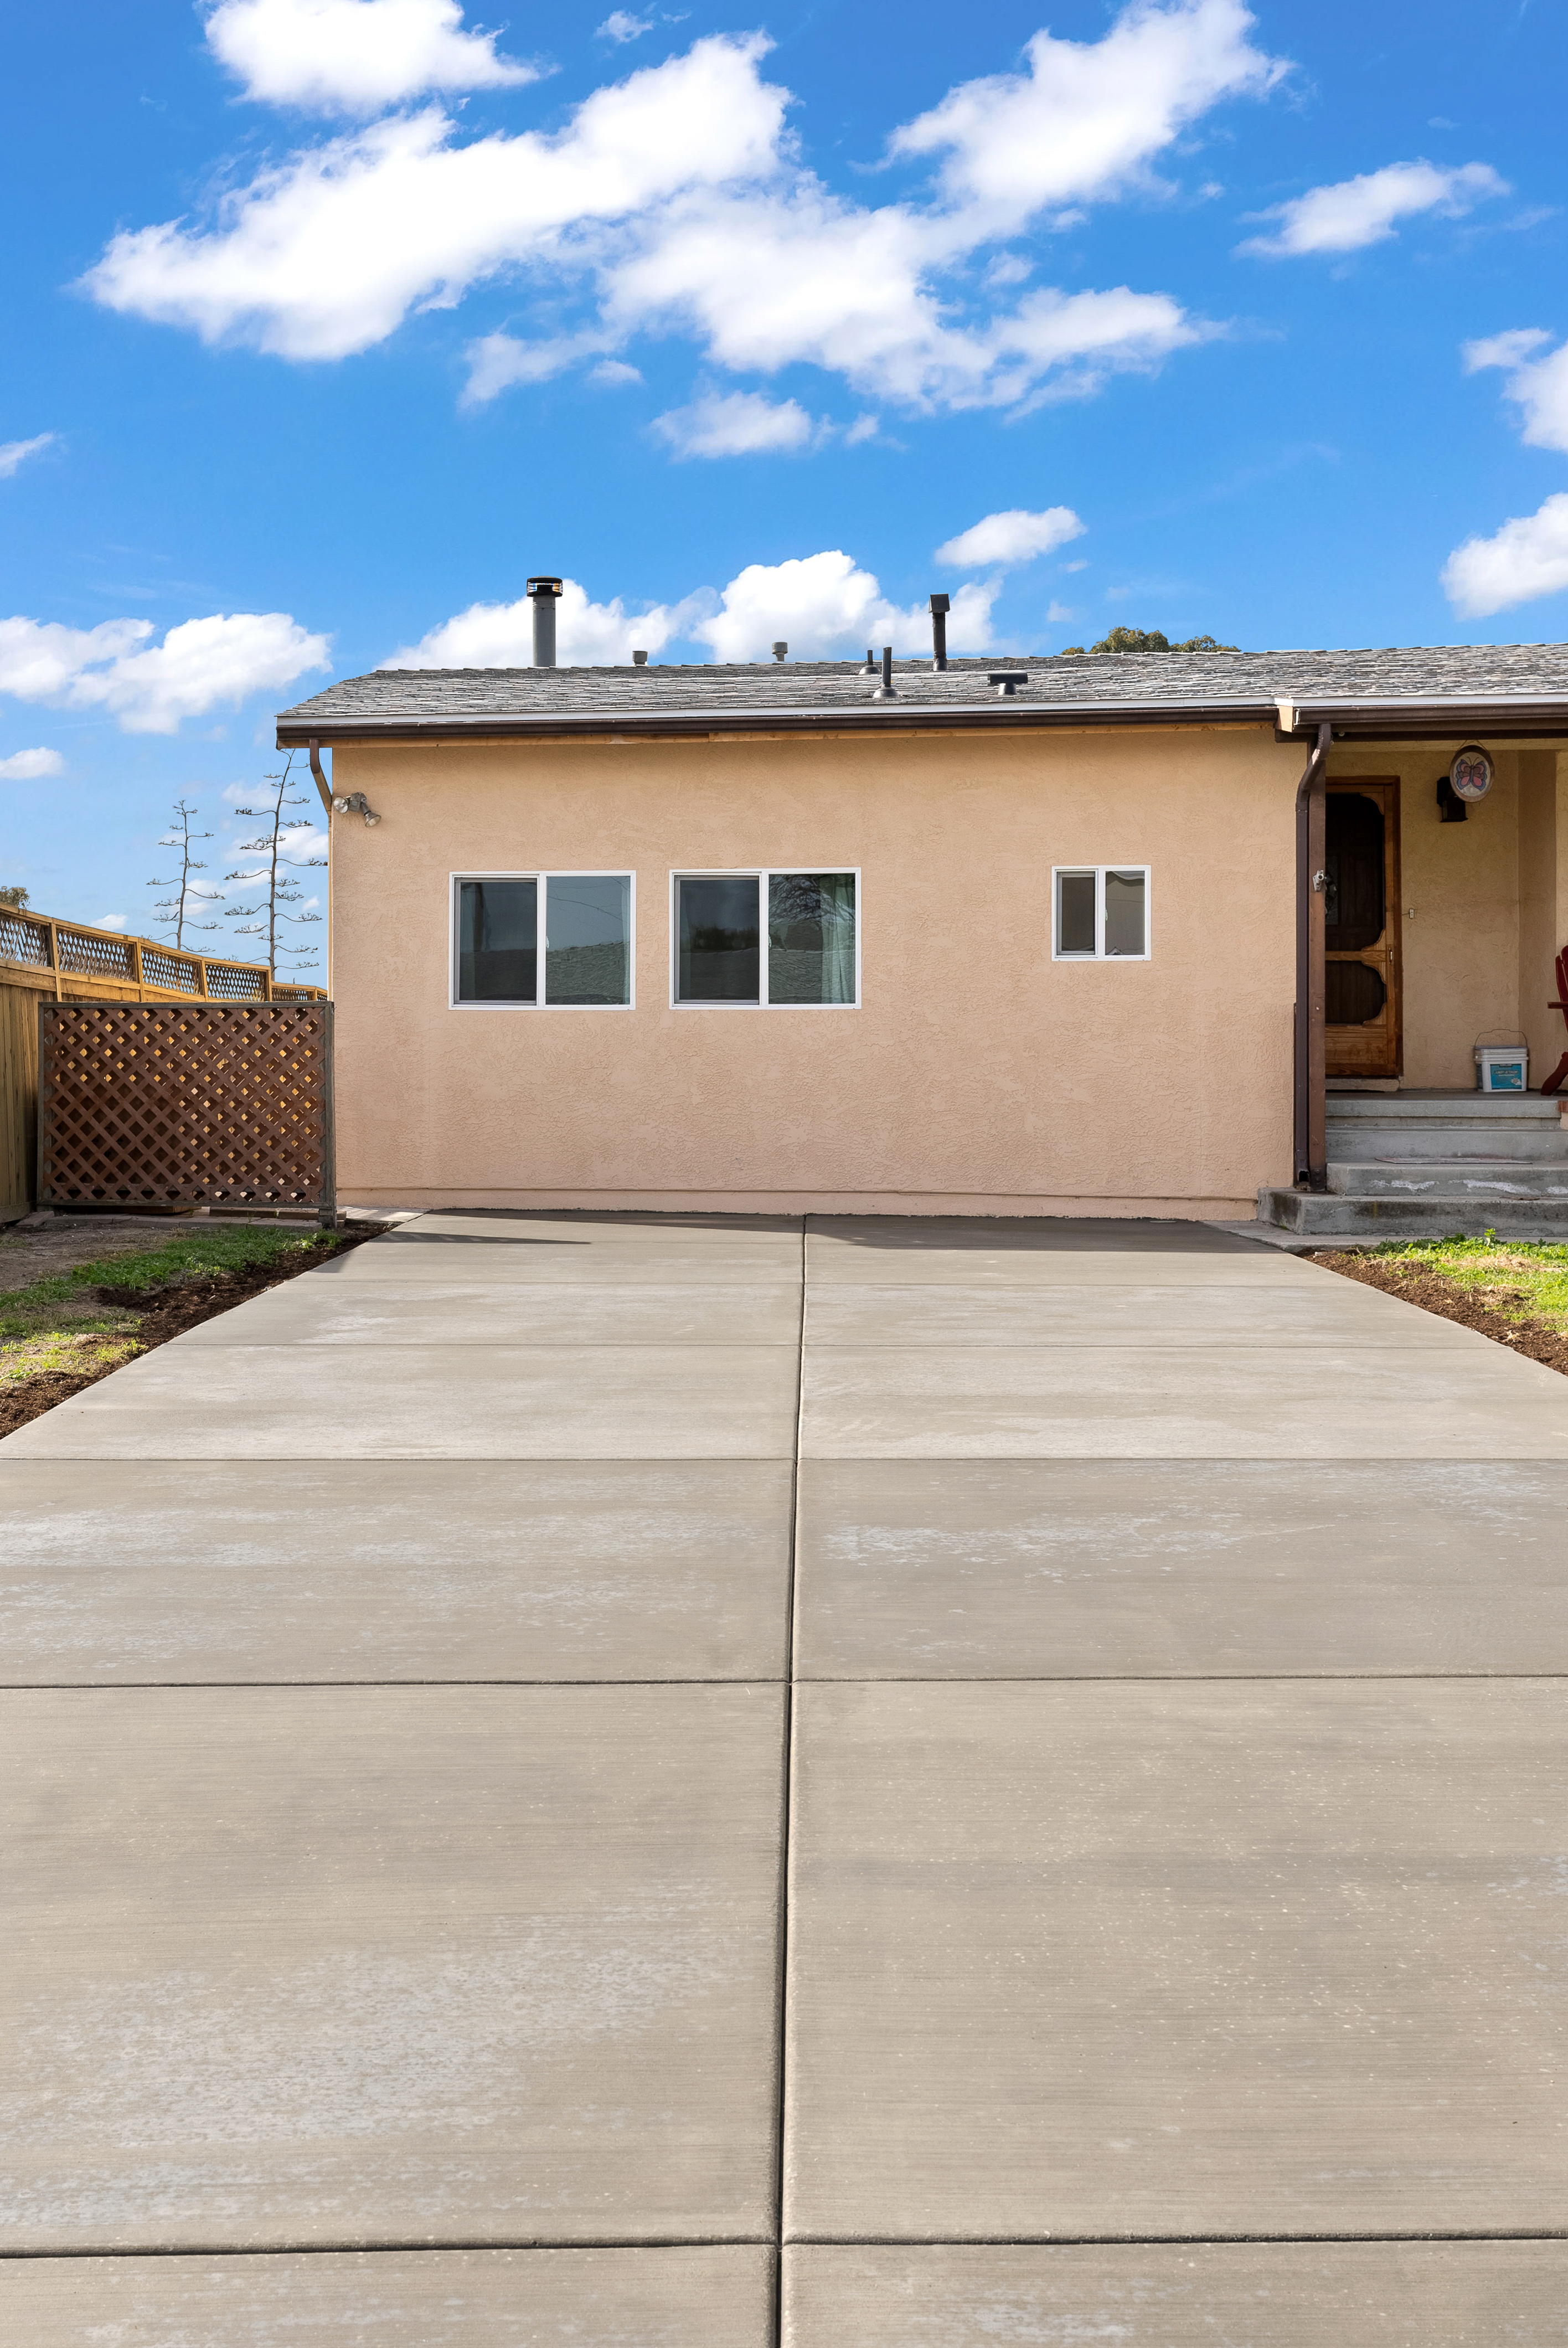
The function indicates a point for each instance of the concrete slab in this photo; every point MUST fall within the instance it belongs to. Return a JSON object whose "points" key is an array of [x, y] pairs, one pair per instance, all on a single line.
{"points": [[684, 2297], [1163, 1960], [118, 1571], [574, 1263], [832, 1262], [1063, 1569], [513, 1313], [628, 1226], [1019, 1234], [429, 1402], [1308, 1313], [351, 1966], [1180, 2295], [1438, 1401]]}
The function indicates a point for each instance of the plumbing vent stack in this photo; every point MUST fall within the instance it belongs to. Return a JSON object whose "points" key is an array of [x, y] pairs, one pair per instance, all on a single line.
{"points": [[781, 650], [940, 607], [544, 594]]}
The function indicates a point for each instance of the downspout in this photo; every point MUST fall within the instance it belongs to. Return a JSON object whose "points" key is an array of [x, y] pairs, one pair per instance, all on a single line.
{"points": [[1311, 1133], [325, 789]]}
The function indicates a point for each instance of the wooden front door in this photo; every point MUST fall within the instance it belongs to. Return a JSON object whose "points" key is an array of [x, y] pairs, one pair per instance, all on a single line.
{"points": [[1363, 1010]]}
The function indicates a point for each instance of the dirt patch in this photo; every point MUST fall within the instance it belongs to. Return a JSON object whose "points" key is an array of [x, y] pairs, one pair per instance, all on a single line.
{"points": [[1536, 1340], [167, 1312]]}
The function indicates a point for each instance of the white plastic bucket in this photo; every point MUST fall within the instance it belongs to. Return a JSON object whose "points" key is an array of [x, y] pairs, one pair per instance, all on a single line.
{"points": [[1502, 1068]]}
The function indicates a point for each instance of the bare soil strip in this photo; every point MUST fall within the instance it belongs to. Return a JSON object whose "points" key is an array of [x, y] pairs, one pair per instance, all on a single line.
{"points": [[1537, 1340], [167, 1312]]}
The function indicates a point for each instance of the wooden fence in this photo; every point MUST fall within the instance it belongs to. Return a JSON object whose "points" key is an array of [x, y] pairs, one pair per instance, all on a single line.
{"points": [[63, 962], [159, 1105]]}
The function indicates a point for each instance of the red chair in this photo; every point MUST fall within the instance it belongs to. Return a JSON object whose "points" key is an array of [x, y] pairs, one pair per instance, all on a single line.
{"points": [[1555, 1079]]}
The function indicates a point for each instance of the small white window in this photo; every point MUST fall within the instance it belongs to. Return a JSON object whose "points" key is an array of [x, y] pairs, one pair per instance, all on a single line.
{"points": [[764, 941], [1101, 912], [583, 960]]}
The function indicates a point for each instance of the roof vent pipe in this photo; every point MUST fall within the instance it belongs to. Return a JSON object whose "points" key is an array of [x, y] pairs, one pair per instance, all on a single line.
{"points": [[780, 650], [886, 690], [544, 594], [940, 606], [870, 668], [639, 660]]}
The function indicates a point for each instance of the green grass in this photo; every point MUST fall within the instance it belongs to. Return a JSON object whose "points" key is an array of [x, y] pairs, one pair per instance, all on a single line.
{"points": [[59, 1324], [1515, 1278]]}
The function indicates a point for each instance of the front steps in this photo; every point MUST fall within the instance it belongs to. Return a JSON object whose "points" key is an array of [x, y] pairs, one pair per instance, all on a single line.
{"points": [[1435, 1163]]}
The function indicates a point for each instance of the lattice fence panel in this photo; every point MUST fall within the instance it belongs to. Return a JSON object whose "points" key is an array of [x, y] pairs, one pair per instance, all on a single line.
{"points": [[161, 1103], [171, 970], [235, 983], [22, 940], [91, 955]]}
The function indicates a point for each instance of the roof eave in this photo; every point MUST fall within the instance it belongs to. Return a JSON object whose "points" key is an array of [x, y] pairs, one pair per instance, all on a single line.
{"points": [[295, 732]]}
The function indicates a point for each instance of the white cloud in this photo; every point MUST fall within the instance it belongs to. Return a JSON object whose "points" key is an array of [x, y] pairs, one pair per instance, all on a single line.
{"points": [[614, 372], [621, 24], [1537, 386], [672, 202], [825, 606], [27, 766], [1058, 612], [112, 920], [1365, 211], [588, 635], [16, 452], [354, 56], [151, 687], [734, 424], [328, 252], [1528, 557], [1012, 537], [1087, 120]]}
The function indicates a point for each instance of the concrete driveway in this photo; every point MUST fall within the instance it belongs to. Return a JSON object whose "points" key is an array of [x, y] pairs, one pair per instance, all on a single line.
{"points": [[882, 1783]]}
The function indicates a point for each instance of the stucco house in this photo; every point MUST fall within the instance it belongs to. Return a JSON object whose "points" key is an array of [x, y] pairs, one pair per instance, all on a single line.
{"points": [[1023, 937]]}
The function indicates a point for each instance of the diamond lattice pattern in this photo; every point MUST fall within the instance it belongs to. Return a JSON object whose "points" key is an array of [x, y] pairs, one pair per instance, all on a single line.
{"points": [[171, 1101]]}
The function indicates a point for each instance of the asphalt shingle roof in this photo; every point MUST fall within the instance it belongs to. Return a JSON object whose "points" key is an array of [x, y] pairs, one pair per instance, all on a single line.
{"points": [[396, 699]]}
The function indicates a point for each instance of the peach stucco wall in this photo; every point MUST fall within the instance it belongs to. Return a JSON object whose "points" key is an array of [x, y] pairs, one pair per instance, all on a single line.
{"points": [[977, 1075]]}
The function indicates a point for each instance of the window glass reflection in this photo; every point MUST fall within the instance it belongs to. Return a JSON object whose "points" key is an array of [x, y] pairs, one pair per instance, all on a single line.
{"points": [[811, 937], [1075, 913], [497, 941], [1125, 926], [588, 937], [717, 955]]}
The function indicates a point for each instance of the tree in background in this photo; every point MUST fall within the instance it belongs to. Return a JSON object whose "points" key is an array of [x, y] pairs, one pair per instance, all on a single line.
{"points": [[177, 911], [14, 895], [1149, 640], [270, 912]]}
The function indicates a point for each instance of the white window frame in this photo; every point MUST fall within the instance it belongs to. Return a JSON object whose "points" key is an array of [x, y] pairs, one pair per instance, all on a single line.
{"points": [[761, 874], [543, 878], [1076, 872]]}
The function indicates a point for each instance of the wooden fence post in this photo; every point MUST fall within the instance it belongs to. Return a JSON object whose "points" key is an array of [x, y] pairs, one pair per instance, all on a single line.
{"points": [[327, 1211]]}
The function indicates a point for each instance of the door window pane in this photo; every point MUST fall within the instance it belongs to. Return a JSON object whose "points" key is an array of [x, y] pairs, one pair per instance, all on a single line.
{"points": [[1124, 930], [588, 937], [811, 937], [1075, 913], [719, 960], [497, 941]]}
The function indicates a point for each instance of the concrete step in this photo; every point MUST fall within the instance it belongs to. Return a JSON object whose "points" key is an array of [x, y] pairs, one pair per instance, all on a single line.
{"points": [[1369, 1128], [1334, 1213], [1462, 1178]]}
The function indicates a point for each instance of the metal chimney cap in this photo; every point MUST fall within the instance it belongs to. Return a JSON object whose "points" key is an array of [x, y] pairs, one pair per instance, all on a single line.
{"points": [[639, 660], [941, 603], [1007, 681], [544, 587], [780, 650]]}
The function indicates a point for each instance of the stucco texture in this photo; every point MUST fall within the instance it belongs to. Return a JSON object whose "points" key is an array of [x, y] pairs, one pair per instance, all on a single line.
{"points": [[977, 1075]]}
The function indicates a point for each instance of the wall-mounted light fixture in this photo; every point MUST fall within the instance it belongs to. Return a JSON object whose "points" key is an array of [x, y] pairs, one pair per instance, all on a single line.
{"points": [[356, 804], [1469, 777]]}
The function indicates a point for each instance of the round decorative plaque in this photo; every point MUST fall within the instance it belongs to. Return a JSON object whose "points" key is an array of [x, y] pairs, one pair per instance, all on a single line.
{"points": [[1471, 773]]}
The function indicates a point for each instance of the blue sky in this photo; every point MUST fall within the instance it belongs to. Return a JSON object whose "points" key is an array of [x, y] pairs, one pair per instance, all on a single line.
{"points": [[331, 320]]}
